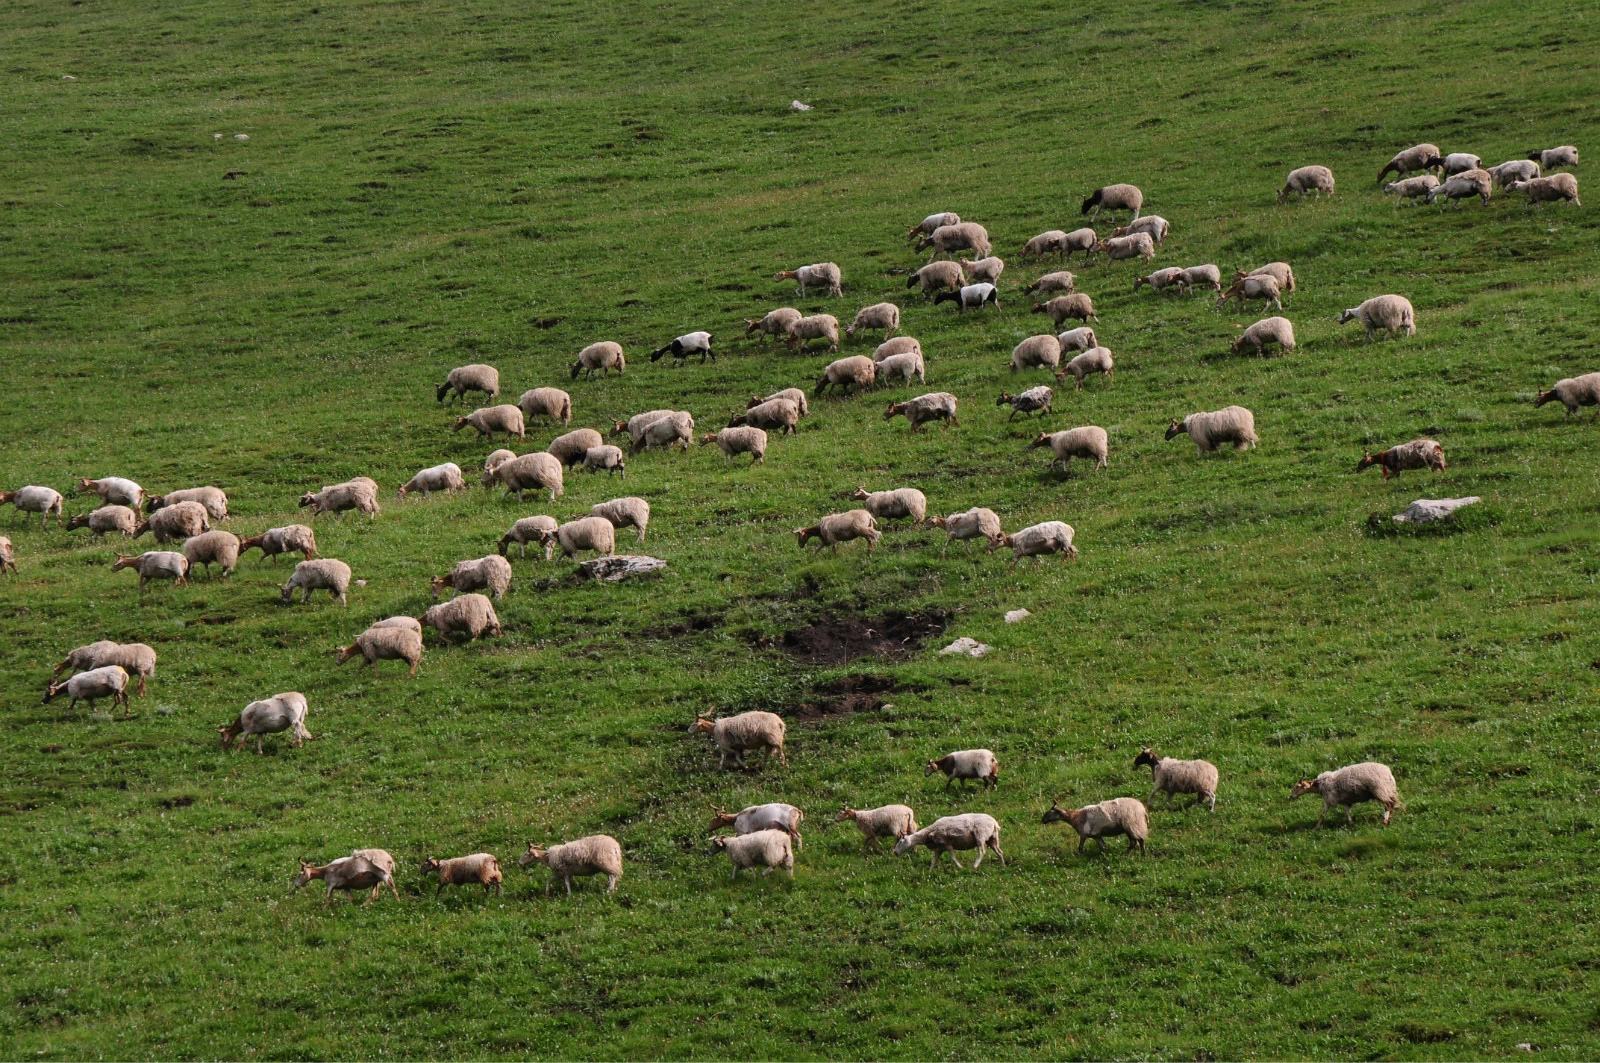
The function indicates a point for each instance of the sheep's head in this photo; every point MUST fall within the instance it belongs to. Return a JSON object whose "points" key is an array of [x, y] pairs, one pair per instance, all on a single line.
{"points": [[437, 584], [344, 653], [998, 541], [308, 871], [1301, 788], [931, 767], [1544, 397], [1070, 553], [1056, 814], [52, 691], [1004, 399], [228, 732], [124, 561], [533, 855], [154, 502], [944, 297], [1140, 282], [859, 494], [1367, 461], [803, 535], [430, 866], [80, 521], [845, 813], [85, 485], [895, 409], [460, 423], [1043, 440], [937, 522], [904, 844], [703, 722], [718, 844], [7, 496], [1347, 315], [308, 499], [1146, 756], [784, 275], [1174, 429], [721, 817]]}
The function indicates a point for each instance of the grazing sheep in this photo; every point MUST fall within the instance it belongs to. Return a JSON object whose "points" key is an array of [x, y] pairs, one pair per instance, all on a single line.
{"points": [[1204, 276], [1231, 424], [446, 477], [1174, 277], [465, 378], [1511, 170], [885, 821], [934, 406], [1391, 313], [939, 275], [213, 547], [962, 236], [1114, 197], [491, 573], [815, 327], [675, 429], [360, 493], [684, 347], [587, 533], [1549, 158], [545, 402], [971, 297], [106, 519], [766, 849], [1089, 442], [1573, 392], [607, 459], [1413, 188], [884, 316], [155, 564], [1307, 181], [1458, 162], [176, 522], [983, 269], [1036, 352], [856, 373], [1281, 272], [108, 681], [531, 472], [1037, 540], [349, 873], [1060, 281], [488, 420], [774, 323], [281, 712], [597, 854], [739, 439], [601, 357], [1120, 815], [1154, 224], [408, 623], [773, 816], [976, 765], [481, 868], [1417, 157], [838, 528], [817, 275], [636, 424], [1268, 330], [135, 658], [934, 221], [1198, 777], [214, 499], [1081, 338], [1254, 286], [570, 448], [1034, 400], [1049, 242], [288, 539], [1417, 454], [540, 530], [386, 644], [734, 736], [322, 574], [115, 490], [798, 395], [974, 523], [1083, 239], [1078, 305], [35, 499], [1094, 360], [778, 414], [970, 830], [895, 504], [1351, 785], [468, 615], [908, 367], [630, 512], [1117, 248], [1558, 187], [8, 556], [1464, 186]]}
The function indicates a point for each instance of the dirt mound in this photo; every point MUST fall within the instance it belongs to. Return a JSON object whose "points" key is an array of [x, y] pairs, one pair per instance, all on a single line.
{"points": [[835, 639], [841, 697]]}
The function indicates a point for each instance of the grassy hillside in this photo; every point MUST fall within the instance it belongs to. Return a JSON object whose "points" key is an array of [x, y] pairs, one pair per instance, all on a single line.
{"points": [[431, 184]]}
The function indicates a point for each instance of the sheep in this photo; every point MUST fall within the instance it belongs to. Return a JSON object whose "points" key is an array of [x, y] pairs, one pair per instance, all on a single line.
{"points": [[1154, 224], [465, 378], [1464, 186], [1203, 276], [817, 275], [1281, 272], [1114, 197], [1120, 815], [884, 316], [539, 530], [774, 323], [636, 424], [936, 276], [1417, 454], [360, 494], [974, 523], [773, 816], [1306, 181], [386, 644], [934, 406], [885, 821], [8, 556], [798, 395], [676, 429], [545, 402], [1555, 188], [1034, 400], [491, 573], [1209, 430], [587, 533], [1138, 245], [739, 439], [1169, 776], [856, 373], [1412, 188], [1081, 338], [607, 459], [815, 327], [1094, 360], [927, 225], [1088, 441], [570, 448], [1059, 281], [176, 522], [114, 489], [407, 623], [531, 472], [1573, 392], [971, 297], [219, 547], [1391, 313], [1458, 162], [1043, 351], [778, 414], [107, 681], [214, 499], [1049, 242], [1351, 785], [962, 236], [1549, 158], [1511, 170], [155, 564], [1062, 307], [976, 765], [596, 854], [734, 736], [1173, 277], [983, 269], [488, 420], [766, 849], [970, 830], [35, 499], [322, 574], [1036, 540], [684, 347], [1268, 330], [893, 504], [630, 512], [1417, 157], [1083, 239], [288, 539], [468, 615], [481, 868], [601, 357], [106, 519], [349, 873], [838, 528], [446, 477], [908, 367], [281, 712], [1254, 286]]}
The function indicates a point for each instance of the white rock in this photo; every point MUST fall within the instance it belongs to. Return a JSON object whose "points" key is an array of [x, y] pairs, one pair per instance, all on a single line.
{"points": [[68, 77], [361, 583], [216, 136], [620, 567], [1017, 616], [1524, 1047], [967, 648], [1428, 510], [796, 105], [241, 136]]}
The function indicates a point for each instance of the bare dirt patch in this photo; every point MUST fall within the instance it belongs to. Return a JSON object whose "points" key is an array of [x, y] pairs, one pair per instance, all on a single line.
{"points": [[840, 639]]}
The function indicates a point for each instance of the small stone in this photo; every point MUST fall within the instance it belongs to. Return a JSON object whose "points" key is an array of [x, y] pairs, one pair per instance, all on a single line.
{"points": [[68, 77], [166, 710], [967, 648], [361, 583], [620, 567], [796, 105], [1428, 510], [216, 136], [1017, 616], [241, 137], [1524, 1047]]}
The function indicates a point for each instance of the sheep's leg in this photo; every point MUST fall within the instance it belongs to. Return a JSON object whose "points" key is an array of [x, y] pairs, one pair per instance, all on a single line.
{"points": [[1388, 812], [568, 880], [1081, 840], [954, 859], [979, 861], [611, 883]]}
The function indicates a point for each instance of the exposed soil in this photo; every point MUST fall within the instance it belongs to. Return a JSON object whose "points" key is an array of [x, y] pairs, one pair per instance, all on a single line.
{"points": [[843, 696], [835, 639]]}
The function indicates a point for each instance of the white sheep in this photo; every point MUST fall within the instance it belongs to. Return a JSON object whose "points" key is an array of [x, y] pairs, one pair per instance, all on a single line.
{"points": [[491, 573], [1261, 286], [114, 489], [176, 522], [908, 367], [815, 327], [934, 221], [605, 458], [1114, 197], [135, 658], [686, 346], [1037, 540], [465, 378], [1154, 224], [446, 477], [971, 297], [545, 402], [983, 269], [674, 430], [1135, 245], [214, 499], [596, 854], [288, 539], [1083, 239], [488, 420], [1042, 351], [1049, 242], [937, 276], [778, 414], [1077, 305], [1459, 162], [322, 574], [1549, 158], [467, 615], [155, 564], [934, 406], [1417, 157], [975, 765], [351, 874], [1281, 272], [1060, 281], [949, 834], [1464, 186], [107, 519], [1120, 815], [636, 424], [1412, 188], [281, 712], [734, 736], [360, 494], [1173, 277], [630, 512], [213, 547], [1351, 785], [962, 236], [1307, 181], [739, 439], [1391, 313], [386, 643], [570, 447], [531, 472], [1034, 400], [1089, 442], [601, 357], [767, 849], [1094, 360], [884, 316], [798, 395], [8, 556], [1081, 338], [1169, 776], [35, 499], [1202, 276], [1558, 187], [974, 523], [772, 816], [1209, 430], [838, 528], [825, 275], [856, 373], [901, 502], [885, 821], [1267, 331], [108, 681], [1573, 392], [1417, 454], [482, 868], [540, 530], [1512, 170], [587, 533], [774, 323]]}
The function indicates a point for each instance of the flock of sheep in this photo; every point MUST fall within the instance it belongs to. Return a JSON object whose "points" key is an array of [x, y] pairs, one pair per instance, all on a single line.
{"points": [[767, 836]]}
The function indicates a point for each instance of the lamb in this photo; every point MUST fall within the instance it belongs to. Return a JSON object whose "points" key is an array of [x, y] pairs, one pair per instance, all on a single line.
{"points": [[636, 424], [446, 477], [1417, 454], [962, 236], [895, 504], [684, 347], [817, 275], [1094, 360], [856, 373], [1036, 540], [214, 499], [1035, 399], [1307, 181], [1413, 188], [933, 221], [815, 327], [281, 712], [1573, 392], [108, 681], [934, 406], [908, 367], [1042, 351], [491, 573], [288, 539], [978, 765], [970, 830], [971, 297], [349, 873], [1089, 442], [545, 402], [1464, 186], [676, 429], [765, 849], [1120, 815], [115, 490], [1511, 170], [1254, 286], [736, 440], [1557, 187], [213, 547], [322, 574], [631, 512], [1268, 330], [885, 821], [1459, 162], [838, 528], [983, 269], [360, 494], [531, 472], [1083, 239], [539, 530], [1174, 277], [774, 323], [481, 868], [1391, 313], [734, 736], [468, 615], [488, 420], [606, 459], [936, 276], [974, 523], [386, 644], [1059, 281], [587, 533], [1138, 245], [597, 854], [798, 395], [570, 448], [1198, 777], [884, 316], [1154, 224], [1231, 424], [1281, 272], [1049, 242], [1062, 307], [106, 519], [1081, 338], [1114, 197], [601, 357], [778, 414], [773, 816], [465, 378], [8, 556], [1417, 157], [1203, 276], [35, 499], [176, 522], [155, 564], [1351, 785], [1549, 158]]}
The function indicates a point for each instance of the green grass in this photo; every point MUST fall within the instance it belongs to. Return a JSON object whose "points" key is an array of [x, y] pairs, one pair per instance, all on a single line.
{"points": [[430, 184]]}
